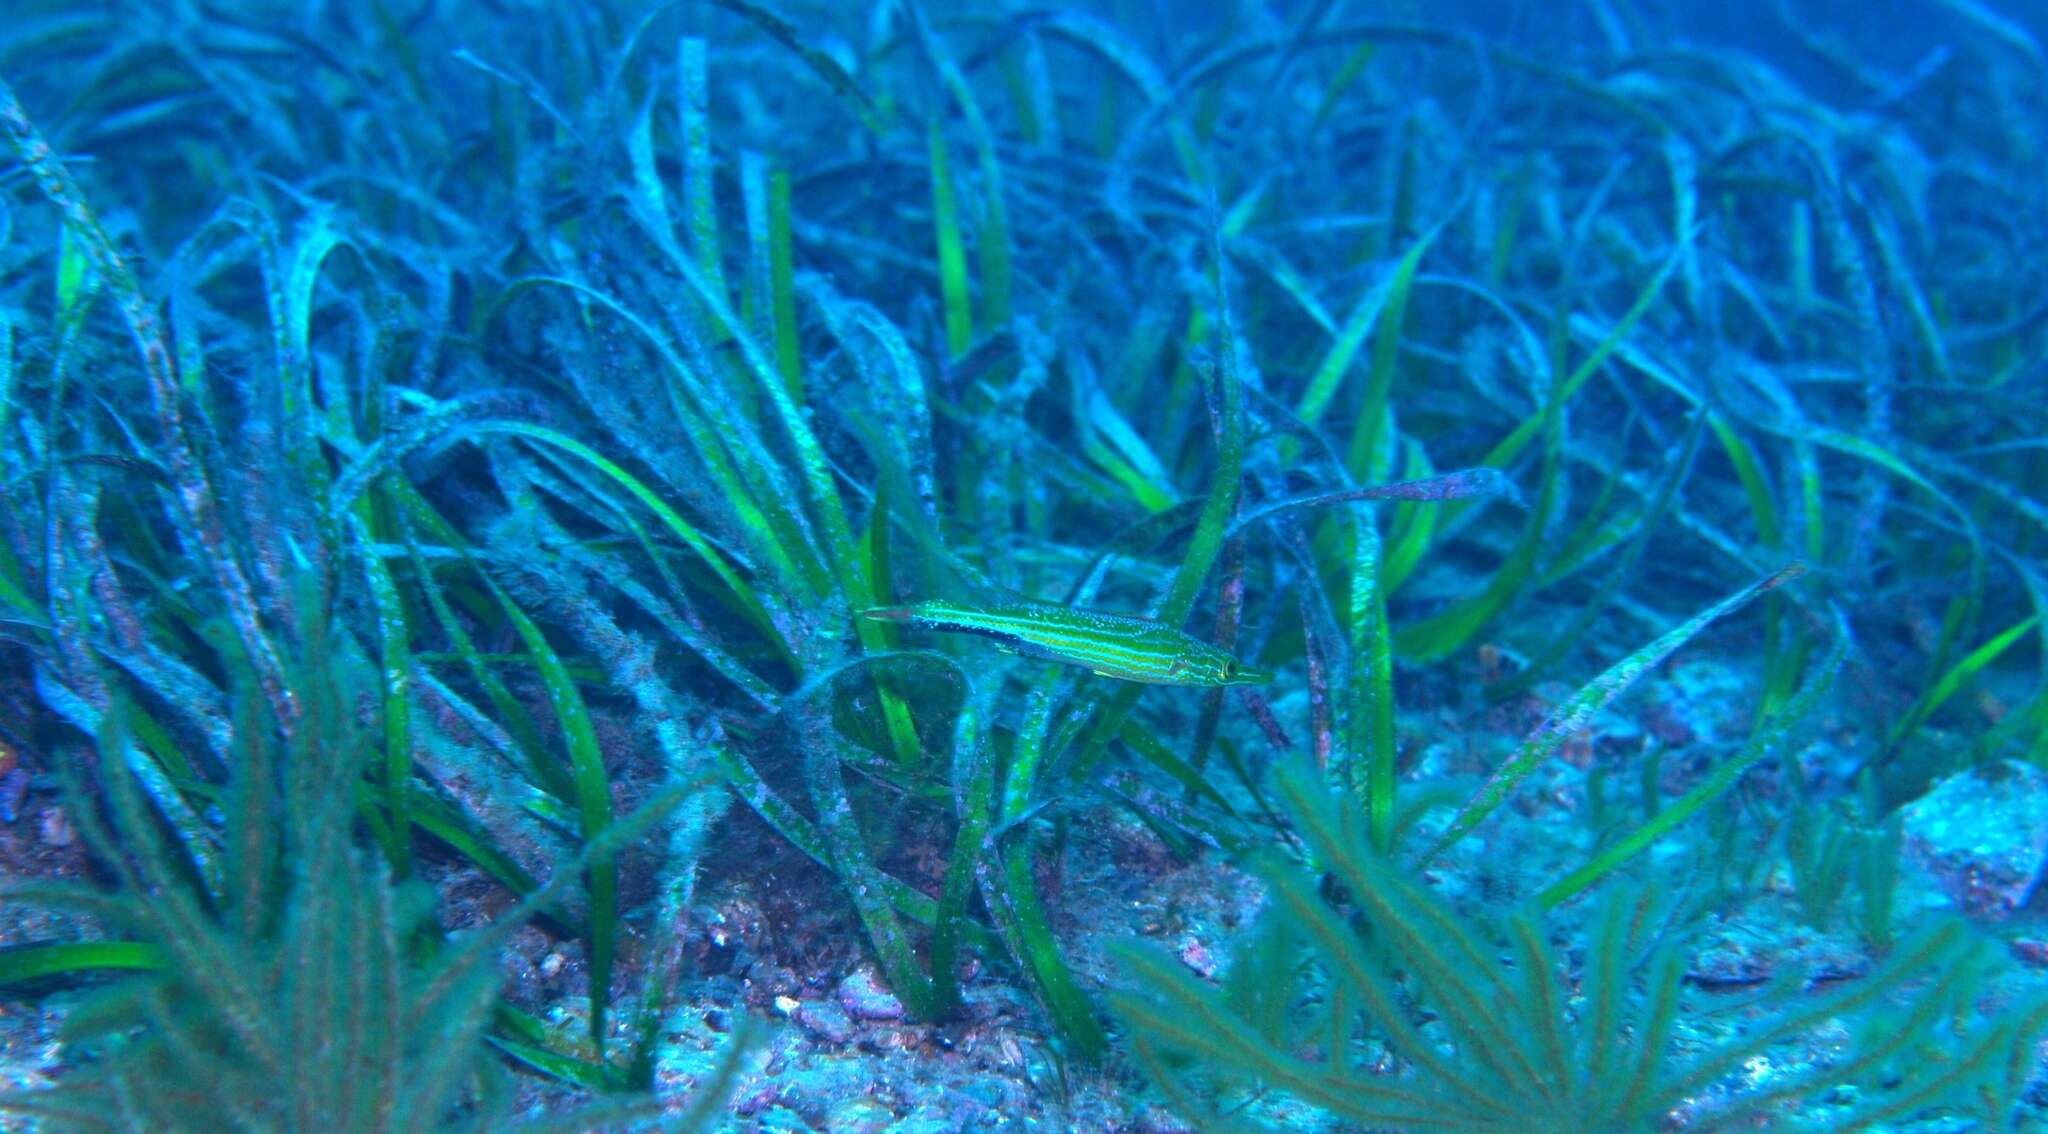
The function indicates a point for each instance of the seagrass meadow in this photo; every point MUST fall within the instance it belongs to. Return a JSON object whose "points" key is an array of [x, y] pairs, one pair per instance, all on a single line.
{"points": [[1115, 566]]}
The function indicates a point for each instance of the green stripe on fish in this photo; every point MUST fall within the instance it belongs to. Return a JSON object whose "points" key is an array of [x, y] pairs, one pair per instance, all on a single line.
{"points": [[1113, 645]]}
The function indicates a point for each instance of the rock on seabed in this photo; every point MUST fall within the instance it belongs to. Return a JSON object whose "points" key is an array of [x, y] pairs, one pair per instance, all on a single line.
{"points": [[864, 998], [1983, 835]]}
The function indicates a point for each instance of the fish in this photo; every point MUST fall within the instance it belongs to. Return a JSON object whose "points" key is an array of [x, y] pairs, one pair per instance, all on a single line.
{"points": [[1119, 646]]}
